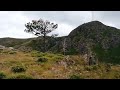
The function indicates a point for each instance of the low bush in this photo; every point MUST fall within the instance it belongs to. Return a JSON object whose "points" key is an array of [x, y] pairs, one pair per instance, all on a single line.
{"points": [[12, 52], [95, 67], [117, 75], [42, 59], [2, 75], [107, 67], [5, 52], [88, 68], [18, 69], [74, 76]]}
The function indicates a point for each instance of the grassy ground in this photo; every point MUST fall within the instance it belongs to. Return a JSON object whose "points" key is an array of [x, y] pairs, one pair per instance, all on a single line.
{"points": [[37, 65]]}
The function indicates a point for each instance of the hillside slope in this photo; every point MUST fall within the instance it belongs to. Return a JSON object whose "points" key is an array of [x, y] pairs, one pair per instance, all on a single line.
{"points": [[95, 37]]}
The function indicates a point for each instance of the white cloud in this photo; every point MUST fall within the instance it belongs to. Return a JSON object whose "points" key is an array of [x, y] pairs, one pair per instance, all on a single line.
{"points": [[63, 29], [12, 22]]}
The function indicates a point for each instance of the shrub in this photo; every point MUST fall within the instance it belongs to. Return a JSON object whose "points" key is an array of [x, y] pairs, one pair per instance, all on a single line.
{"points": [[107, 67], [60, 55], [12, 52], [18, 69], [75, 77], [91, 68], [6, 52], [57, 57], [41, 59], [95, 67], [88, 68], [1, 50], [21, 76], [117, 75], [2, 75], [35, 54], [50, 55]]}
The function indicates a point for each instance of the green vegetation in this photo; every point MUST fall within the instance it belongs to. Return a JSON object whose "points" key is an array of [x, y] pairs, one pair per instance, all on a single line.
{"points": [[46, 56], [11, 42], [2, 75], [71, 51], [76, 77], [6, 51], [24, 66], [111, 55], [20, 76], [18, 69], [42, 60], [12, 52]]}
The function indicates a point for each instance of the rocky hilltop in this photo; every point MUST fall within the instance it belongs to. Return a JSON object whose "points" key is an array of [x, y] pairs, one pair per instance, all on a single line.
{"points": [[95, 37]]}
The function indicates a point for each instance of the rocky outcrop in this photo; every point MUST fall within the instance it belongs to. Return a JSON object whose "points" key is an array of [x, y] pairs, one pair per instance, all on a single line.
{"points": [[2, 47], [94, 33]]}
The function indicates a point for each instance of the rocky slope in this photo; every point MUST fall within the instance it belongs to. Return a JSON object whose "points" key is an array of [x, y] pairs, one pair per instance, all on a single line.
{"points": [[95, 37]]}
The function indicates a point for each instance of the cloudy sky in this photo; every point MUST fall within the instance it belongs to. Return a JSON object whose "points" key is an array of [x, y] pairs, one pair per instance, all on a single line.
{"points": [[12, 23]]}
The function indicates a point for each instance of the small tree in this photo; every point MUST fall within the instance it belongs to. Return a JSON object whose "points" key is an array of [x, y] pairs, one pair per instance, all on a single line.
{"points": [[40, 28]]}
